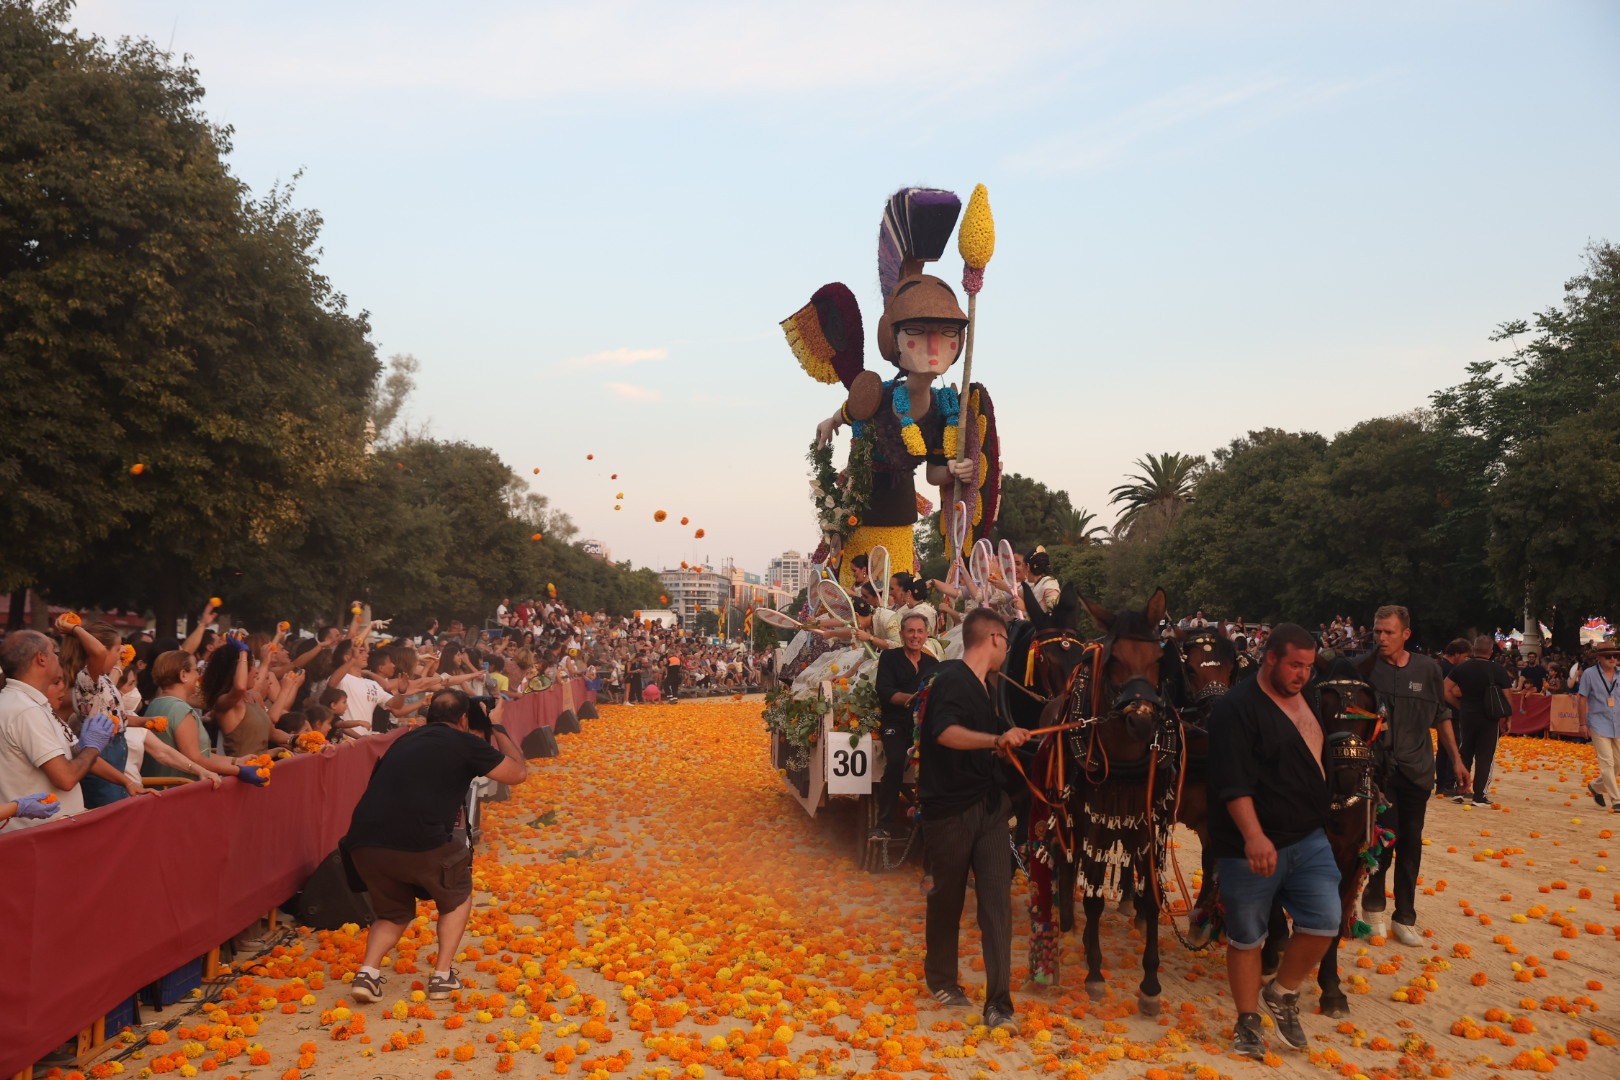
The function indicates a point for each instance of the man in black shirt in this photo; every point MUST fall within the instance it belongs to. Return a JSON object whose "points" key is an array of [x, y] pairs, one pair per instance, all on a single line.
{"points": [[1533, 675], [1268, 833], [1411, 693], [1466, 687], [899, 673], [1444, 783], [400, 841], [965, 816]]}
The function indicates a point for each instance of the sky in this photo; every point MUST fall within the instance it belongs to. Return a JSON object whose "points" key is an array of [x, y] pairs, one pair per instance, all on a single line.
{"points": [[586, 220]]}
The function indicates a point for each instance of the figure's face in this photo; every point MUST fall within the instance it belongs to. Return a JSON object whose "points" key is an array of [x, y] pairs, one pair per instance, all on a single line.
{"points": [[928, 346], [1019, 569]]}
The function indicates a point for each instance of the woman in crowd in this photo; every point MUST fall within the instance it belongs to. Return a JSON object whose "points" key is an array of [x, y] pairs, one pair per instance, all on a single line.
{"points": [[175, 673]]}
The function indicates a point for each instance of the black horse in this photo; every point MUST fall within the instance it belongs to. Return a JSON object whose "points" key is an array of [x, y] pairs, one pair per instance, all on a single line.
{"points": [[1106, 785]]}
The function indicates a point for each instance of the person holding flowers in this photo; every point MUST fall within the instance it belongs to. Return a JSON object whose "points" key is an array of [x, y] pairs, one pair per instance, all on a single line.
{"points": [[37, 751]]}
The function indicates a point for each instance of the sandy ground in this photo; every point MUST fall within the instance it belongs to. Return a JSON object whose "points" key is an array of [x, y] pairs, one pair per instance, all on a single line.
{"points": [[653, 904]]}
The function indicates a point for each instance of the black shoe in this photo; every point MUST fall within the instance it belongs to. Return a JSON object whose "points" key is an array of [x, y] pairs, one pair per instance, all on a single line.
{"points": [[1458, 799], [1284, 1010], [366, 988], [1246, 1037], [1486, 803], [1001, 1018], [952, 998], [1597, 796]]}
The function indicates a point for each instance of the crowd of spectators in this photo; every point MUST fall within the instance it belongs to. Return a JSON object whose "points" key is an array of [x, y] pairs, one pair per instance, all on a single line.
{"points": [[89, 716]]}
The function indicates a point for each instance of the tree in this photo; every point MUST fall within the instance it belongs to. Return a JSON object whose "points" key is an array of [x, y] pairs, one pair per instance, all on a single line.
{"points": [[152, 314], [1553, 516], [1154, 496], [1507, 415], [1031, 513], [1077, 525]]}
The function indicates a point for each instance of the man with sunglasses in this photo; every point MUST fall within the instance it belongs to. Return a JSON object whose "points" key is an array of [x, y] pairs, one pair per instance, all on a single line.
{"points": [[965, 816]]}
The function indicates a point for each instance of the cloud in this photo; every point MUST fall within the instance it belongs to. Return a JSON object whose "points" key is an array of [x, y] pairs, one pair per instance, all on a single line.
{"points": [[519, 51], [1096, 145], [633, 392], [616, 358]]}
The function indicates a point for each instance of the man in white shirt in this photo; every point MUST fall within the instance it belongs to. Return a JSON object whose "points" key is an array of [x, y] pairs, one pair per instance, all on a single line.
{"points": [[366, 694], [36, 752]]}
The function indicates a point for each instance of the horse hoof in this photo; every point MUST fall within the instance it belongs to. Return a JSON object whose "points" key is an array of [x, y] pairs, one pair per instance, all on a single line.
{"points": [[1335, 1006], [1096, 989], [1148, 1006]]}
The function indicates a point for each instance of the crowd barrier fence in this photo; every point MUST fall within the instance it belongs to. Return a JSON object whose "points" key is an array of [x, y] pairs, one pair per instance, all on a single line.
{"points": [[98, 906]]}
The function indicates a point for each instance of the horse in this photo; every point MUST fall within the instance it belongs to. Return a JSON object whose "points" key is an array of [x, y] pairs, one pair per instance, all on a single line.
{"points": [[1107, 784], [1351, 724]]}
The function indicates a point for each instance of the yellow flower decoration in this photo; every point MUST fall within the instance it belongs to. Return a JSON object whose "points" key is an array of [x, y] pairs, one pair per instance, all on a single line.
{"points": [[976, 239], [912, 435]]}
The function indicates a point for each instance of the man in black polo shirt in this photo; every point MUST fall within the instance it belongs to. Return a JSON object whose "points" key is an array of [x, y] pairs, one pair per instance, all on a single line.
{"points": [[899, 672], [965, 814], [400, 841], [1268, 833], [1411, 693]]}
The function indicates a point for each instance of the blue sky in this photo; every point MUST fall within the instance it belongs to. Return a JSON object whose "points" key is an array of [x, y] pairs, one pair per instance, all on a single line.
{"points": [[587, 220]]}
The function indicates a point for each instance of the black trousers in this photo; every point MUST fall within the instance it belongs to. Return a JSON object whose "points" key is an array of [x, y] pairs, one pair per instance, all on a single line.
{"points": [[1408, 805], [978, 840], [896, 745], [1479, 751], [1444, 779]]}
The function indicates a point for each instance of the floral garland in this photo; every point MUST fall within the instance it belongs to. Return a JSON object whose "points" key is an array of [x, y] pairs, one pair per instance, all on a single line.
{"points": [[949, 406], [841, 502], [796, 720], [855, 705]]}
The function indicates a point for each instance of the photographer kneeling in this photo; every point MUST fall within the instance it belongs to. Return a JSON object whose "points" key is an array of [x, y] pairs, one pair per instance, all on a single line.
{"points": [[400, 840]]}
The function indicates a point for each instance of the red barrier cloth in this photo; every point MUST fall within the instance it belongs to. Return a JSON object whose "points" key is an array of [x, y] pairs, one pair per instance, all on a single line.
{"points": [[1532, 713], [95, 907], [522, 715]]}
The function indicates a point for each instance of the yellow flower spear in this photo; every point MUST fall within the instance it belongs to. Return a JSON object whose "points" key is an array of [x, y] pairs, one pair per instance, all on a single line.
{"points": [[976, 240]]}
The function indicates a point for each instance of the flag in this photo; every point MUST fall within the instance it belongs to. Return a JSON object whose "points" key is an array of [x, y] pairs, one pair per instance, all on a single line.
{"points": [[748, 624]]}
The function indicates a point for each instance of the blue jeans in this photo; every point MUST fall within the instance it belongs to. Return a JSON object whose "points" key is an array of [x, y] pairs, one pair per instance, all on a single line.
{"points": [[1307, 880]]}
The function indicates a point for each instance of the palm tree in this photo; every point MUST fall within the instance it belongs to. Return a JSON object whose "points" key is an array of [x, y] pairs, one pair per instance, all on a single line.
{"points": [[1077, 525], [1158, 492]]}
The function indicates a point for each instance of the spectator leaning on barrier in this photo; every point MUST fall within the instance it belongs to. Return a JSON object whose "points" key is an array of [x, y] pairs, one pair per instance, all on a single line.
{"points": [[37, 752], [400, 842]]}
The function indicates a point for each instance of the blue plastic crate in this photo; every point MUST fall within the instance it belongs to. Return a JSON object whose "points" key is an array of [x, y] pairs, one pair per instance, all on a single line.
{"points": [[175, 985], [122, 1015]]}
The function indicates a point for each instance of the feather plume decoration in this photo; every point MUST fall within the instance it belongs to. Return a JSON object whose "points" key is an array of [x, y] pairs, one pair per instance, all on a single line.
{"points": [[916, 226], [825, 335]]}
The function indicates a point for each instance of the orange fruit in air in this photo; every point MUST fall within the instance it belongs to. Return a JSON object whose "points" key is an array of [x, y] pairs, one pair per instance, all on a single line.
{"points": [[536, 536], [537, 470], [686, 521], [698, 534], [214, 601], [659, 515], [590, 457], [136, 469], [615, 476]]}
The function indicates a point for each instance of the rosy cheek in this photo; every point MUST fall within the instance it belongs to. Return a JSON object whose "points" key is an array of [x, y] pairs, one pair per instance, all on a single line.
{"points": [[911, 344], [953, 346]]}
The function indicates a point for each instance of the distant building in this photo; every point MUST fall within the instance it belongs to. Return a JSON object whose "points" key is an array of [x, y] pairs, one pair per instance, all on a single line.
{"points": [[695, 589], [790, 572], [597, 548], [751, 590]]}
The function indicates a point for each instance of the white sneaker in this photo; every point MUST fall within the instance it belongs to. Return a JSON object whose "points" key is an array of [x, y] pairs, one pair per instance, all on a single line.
{"points": [[1407, 935]]}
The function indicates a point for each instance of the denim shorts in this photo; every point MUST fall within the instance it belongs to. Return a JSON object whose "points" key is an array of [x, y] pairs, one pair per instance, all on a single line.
{"points": [[1306, 880]]}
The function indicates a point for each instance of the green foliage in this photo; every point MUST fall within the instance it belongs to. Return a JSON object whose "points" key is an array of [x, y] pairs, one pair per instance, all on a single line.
{"points": [[797, 720], [154, 313], [1153, 497]]}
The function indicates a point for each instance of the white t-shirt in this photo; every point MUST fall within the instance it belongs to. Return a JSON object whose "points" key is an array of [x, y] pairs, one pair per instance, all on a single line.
{"points": [[364, 695], [29, 737]]}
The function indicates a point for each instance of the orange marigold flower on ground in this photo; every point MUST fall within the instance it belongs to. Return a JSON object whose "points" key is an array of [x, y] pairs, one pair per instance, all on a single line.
{"points": [[155, 1038]]}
